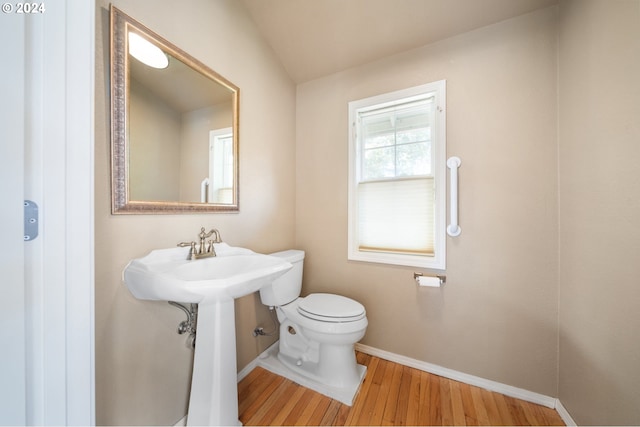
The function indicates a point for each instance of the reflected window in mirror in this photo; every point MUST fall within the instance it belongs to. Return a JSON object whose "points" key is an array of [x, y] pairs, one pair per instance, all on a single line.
{"points": [[220, 166]]}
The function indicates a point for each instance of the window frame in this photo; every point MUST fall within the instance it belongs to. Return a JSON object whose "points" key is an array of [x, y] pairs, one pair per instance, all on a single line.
{"points": [[438, 144]]}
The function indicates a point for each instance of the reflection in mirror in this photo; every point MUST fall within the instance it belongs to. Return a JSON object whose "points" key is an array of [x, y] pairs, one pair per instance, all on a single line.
{"points": [[219, 186], [174, 128]]}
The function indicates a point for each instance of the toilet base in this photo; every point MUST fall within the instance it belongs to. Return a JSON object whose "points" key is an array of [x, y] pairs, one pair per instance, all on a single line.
{"points": [[270, 361]]}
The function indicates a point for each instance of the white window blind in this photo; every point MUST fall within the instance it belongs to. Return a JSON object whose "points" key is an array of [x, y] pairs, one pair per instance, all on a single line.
{"points": [[397, 216]]}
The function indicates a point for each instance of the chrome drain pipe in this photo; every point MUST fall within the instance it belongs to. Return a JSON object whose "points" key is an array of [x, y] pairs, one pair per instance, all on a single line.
{"points": [[189, 325]]}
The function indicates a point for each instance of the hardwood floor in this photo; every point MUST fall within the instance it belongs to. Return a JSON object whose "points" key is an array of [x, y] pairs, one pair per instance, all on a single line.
{"points": [[391, 394]]}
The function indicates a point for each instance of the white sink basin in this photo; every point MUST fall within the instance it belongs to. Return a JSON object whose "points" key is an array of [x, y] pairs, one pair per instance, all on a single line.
{"points": [[167, 275], [213, 283]]}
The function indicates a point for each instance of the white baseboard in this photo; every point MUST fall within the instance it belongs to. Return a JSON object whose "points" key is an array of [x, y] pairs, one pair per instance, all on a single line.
{"points": [[247, 369], [519, 393], [564, 414]]}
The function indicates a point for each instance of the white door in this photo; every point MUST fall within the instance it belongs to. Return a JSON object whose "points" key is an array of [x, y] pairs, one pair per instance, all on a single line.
{"points": [[46, 155], [12, 289]]}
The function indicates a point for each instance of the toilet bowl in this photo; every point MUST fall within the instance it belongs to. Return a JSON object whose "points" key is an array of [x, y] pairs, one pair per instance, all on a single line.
{"points": [[317, 334]]}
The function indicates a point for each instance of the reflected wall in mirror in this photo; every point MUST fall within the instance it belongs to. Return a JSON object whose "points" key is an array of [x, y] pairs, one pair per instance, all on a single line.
{"points": [[174, 127]]}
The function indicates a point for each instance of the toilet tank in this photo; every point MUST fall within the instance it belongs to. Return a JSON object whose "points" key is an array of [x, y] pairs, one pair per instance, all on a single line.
{"points": [[287, 287]]}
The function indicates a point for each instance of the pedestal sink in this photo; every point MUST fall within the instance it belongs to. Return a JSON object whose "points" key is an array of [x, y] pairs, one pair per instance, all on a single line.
{"points": [[213, 283]]}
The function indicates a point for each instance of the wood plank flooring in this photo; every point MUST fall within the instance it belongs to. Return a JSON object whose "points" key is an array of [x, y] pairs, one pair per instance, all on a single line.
{"points": [[391, 394]]}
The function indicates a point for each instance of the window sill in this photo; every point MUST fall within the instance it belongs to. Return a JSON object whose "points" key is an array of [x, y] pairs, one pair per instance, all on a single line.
{"points": [[420, 261]]}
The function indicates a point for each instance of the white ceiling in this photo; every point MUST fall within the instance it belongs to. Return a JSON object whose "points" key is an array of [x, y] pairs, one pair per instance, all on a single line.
{"points": [[314, 38]]}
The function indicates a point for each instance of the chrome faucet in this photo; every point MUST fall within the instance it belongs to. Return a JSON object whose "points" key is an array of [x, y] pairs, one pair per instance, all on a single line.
{"points": [[205, 249]]}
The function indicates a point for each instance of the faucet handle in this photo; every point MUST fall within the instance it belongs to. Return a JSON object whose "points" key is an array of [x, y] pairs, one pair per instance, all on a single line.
{"points": [[192, 251], [210, 248]]}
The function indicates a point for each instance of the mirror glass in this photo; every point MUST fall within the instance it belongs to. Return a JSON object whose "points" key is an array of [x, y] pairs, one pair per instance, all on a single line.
{"points": [[174, 127]]}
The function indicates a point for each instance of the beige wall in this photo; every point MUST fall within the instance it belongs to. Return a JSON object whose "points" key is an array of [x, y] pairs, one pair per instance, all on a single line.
{"points": [[497, 315], [143, 367], [600, 211], [154, 147]]}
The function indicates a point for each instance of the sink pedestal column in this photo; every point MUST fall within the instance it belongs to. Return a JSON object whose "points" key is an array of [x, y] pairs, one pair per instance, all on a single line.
{"points": [[214, 384]]}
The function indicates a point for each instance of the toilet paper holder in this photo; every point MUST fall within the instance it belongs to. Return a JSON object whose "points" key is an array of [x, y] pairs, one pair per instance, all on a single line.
{"points": [[443, 279]]}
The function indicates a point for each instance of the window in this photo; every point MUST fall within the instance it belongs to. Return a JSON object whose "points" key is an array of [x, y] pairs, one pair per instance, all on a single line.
{"points": [[220, 166], [397, 177]]}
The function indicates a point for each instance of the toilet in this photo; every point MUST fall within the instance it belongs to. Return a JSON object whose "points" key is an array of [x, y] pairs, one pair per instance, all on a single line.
{"points": [[317, 334]]}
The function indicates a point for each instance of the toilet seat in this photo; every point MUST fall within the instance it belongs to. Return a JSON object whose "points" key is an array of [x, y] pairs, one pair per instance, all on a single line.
{"points": [[330, 308]]}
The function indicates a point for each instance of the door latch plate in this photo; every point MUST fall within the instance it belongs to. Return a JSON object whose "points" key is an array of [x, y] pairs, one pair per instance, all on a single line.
{"points": [[30, 220]]}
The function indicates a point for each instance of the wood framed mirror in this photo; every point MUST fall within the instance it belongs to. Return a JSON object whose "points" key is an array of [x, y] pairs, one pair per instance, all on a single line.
{"points": [[174, 129]]}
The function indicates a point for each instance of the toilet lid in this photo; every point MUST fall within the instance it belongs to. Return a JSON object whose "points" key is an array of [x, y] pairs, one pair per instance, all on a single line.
{"points": [[331, 308]]}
